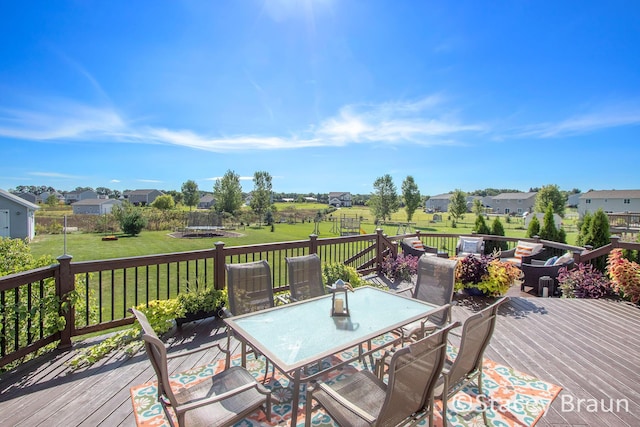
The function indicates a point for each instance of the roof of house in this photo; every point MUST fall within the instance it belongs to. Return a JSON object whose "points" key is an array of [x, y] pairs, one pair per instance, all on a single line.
{"points": [[338, 193], [140, 192], [18, 200], [94, 202], [514, 196], [612, 194]]}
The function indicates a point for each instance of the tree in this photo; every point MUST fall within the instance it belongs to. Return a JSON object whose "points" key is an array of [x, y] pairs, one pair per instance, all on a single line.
{"points": [[261, 199], [599, 235], [52, 201], [550, 195], [164, 202], [584, 229], [480, 226], [457, 206], [133, 222], [548, 231], [177, 196], [477, 208], [534, 227], [190, 193], [496, 230], [411, 196], [227, 193], [384, 200]]}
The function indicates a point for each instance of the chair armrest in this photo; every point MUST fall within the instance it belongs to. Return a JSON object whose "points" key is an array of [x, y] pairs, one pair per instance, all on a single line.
{"points": [[408, 289], [347, 404]]}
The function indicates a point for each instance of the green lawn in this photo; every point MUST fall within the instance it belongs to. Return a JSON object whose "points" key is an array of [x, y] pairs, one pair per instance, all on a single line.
{"points": [[89, 246]]}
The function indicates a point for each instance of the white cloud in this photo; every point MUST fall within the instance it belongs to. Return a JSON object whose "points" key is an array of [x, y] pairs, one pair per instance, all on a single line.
{"points": [[582, 124], [150, 181], [54, 175]]}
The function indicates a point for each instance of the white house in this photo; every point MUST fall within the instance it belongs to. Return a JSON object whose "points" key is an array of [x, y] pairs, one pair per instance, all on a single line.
{"points": [[17, 217], [609, 201], [340, 199]]}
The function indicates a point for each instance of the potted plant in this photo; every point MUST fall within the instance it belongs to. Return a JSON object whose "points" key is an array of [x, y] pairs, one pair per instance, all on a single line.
{"points": [[485, 275], [200, 304], [400, 268]]}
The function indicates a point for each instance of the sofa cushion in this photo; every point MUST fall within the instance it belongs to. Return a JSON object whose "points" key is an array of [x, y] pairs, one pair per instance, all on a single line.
{"points": [[551, 260], [526, 249], [414, 242]]}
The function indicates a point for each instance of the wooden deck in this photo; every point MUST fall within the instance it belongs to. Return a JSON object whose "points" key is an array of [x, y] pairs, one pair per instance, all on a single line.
{"points": [[589, 347]]}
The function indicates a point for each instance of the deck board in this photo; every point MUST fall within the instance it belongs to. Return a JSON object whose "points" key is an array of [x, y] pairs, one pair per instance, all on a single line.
{"points": [[589, 347]]}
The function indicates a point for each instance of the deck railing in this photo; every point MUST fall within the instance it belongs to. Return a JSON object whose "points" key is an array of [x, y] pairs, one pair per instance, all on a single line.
{"points": [[102, 291]]}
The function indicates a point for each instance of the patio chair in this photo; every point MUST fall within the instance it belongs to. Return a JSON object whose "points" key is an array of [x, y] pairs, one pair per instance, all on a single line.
{"points": [[536, 269], [469, 245], [305, 277], [413, 246], [364, 399], [467, 366], [249, 289], [222, 399], [436, 278]]}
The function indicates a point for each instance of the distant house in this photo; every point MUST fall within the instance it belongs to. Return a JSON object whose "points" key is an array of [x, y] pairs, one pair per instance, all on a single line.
{"points": [[95, 206], [609, 201], [29, 197], [43, 197], [573, 200], [17, 217], [206, 202], [310, 199], [340, 199], [73, 197], [142, 197], [513, 203], [440, 203]]}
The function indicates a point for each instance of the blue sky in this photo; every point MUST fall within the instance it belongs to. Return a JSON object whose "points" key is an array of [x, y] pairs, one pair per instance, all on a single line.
{"points": [[324, 95]]}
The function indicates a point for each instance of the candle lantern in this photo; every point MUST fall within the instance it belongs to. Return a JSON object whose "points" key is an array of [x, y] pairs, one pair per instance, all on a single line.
{"points": [[340, 300]]}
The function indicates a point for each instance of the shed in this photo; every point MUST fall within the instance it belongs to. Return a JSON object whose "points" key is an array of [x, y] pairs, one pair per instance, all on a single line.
{"points": [[17, 217], [95, 206]]}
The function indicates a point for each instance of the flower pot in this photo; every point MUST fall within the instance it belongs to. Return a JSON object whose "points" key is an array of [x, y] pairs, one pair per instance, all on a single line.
{"points": [[199, 315], [473, 292]]}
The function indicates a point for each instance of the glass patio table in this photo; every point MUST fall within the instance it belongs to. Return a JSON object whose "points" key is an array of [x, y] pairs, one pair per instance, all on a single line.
{"points": [[300, 334]]}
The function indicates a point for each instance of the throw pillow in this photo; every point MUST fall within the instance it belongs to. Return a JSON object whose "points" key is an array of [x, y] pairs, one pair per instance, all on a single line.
{"points": [[417, 244], [470, 246], [564, 259], [551, 260]]}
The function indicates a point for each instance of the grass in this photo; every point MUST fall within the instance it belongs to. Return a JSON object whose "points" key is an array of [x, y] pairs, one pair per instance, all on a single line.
{"points": [[90, 246]]}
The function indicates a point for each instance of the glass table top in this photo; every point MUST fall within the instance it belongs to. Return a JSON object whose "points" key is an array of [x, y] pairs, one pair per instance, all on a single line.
{"points": [[299, 333]]}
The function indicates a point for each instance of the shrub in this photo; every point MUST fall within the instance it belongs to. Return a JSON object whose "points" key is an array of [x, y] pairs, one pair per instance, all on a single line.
{"points": [[470, 270], [625, 276], [401, 267], [133, 222], [207, 300], [333, 272], [583, 281]]}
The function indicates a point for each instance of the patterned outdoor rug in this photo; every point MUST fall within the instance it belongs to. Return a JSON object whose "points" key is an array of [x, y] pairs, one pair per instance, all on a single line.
{"points": [[514, 398]]}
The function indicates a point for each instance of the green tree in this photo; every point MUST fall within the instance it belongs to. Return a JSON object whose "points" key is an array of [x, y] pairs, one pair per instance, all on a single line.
{"points": [[584, 229], [496, 230], [384, 200], [177, 196], [411, 196], [227, 193], [190, 193], [133, 222], [477, 208], [550, 195], [480, 226], [599, 235], [261, 199], [457, 206], [164, 202], [52, 201], [548, 231], [534, 227]]}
